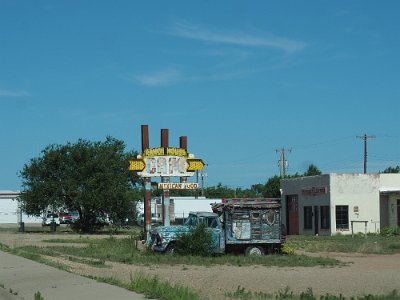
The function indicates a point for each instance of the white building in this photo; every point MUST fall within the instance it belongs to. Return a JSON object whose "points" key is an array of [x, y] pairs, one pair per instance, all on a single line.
{"points": [[345, 203], [180, 207], [9, 210]]}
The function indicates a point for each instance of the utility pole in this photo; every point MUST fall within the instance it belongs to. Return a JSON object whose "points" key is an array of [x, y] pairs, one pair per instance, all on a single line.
{"points": [[365, 138], [282, 161], [202, 175]]}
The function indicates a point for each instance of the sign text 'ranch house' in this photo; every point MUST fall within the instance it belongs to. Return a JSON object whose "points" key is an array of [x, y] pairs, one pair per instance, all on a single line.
{"points": [[151, 152]]}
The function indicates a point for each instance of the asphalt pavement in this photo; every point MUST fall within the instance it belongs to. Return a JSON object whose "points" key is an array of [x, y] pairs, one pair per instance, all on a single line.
{"points": [[21, 278]]}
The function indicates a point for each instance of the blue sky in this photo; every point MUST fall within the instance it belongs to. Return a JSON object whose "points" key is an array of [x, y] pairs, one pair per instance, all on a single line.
{"points": [[240, 79]]}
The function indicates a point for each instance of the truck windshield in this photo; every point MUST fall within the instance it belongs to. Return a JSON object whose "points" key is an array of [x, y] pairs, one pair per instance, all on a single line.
{"points": [[191, 221]]}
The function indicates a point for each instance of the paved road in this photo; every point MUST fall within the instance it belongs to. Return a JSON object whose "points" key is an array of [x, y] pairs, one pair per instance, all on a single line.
{"points": [[22, 278]]}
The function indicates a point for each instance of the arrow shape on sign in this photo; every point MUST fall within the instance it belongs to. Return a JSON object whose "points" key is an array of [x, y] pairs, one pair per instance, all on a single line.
{"points": [[195, 165], [136, 165]]}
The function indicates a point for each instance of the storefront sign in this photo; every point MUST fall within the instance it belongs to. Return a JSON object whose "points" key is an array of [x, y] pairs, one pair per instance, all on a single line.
{"points": [[178, 186], [313, 191], [151, 152]]}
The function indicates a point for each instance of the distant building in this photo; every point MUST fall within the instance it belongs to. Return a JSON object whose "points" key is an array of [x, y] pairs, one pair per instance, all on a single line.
{"points": [[345, 203], [9, 210], [180, 207]]}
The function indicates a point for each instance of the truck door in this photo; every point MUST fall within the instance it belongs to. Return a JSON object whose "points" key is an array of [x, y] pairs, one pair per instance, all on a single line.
{"points": [[214, 226]]}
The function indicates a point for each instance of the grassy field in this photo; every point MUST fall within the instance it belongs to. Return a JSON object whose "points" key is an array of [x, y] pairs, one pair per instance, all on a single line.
{"points": [[123, 250], [96, 252], [372, 244]]}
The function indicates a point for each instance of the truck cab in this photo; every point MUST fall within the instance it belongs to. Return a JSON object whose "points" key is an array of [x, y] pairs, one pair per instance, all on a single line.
{"points": [[163, 238]]}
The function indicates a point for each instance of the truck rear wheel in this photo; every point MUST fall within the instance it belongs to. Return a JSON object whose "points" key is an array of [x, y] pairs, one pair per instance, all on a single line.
{"points": [[254, 250]]}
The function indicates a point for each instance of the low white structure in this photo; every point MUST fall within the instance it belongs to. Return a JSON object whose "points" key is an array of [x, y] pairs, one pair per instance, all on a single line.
{"points": [[9, 209], [184, 205], [180, 207], [345, 203]]}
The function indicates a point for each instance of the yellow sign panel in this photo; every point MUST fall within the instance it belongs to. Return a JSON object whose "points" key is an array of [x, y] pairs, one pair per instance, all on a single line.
{"points": [[161, 151], [136, 165], [195, 165], [153, 152]]}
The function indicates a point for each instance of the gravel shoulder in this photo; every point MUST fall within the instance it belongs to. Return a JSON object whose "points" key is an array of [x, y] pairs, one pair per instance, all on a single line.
{"points": [[362, 275]]}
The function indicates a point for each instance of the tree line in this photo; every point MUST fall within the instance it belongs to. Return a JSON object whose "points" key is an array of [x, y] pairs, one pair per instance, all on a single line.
{"points": [[92, 178]]}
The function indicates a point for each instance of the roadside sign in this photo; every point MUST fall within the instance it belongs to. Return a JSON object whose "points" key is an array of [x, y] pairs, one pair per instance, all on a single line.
{"points": [[136, 165], [178, 186], [195, 165]]}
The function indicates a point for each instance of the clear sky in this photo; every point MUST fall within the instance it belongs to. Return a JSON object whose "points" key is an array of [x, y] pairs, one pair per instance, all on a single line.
{"points": [[240, 79]]}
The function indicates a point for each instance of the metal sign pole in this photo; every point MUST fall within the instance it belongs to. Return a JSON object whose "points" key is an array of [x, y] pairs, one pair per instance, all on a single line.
{"points": [[147, 186], [166, 199]]}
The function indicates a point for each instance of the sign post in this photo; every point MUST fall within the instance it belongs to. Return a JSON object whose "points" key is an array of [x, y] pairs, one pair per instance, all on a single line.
{"points": [[165, 194], [147, 186]]}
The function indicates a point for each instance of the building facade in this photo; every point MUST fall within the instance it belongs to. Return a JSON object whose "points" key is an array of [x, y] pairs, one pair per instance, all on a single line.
{"points": [[340, 203]]}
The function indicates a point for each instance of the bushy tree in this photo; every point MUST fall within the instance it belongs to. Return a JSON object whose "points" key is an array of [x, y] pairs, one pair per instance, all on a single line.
{"points": [[197, 242], [272, 187], [312, 171], [392, 170], [91, 178], [219, 191]]}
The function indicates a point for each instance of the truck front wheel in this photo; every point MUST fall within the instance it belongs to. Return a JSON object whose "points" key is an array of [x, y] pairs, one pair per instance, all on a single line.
{"points": [[170, 248], [254, 250]]}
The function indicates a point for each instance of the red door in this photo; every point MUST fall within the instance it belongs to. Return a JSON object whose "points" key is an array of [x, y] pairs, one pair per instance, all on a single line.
{"points": [[292, 206]]}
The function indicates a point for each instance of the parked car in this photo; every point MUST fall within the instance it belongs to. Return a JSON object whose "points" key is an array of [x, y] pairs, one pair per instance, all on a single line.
{"points": [[50, 217], [65, 218], [140, 219], [74, 216]]}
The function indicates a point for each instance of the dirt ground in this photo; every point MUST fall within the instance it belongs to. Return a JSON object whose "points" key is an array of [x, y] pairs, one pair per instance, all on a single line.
{"points": [[364, 274]]}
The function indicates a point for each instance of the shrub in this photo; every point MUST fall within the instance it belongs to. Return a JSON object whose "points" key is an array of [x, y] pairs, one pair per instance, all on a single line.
{"points": [[390, 231], [287, 249], [198, 242]]}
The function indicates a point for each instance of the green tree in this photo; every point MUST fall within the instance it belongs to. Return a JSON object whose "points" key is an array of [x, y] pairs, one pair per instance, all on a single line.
{"points": [[272, 187], [312, 171], [219, 191], [91, 178], [392, 170]]}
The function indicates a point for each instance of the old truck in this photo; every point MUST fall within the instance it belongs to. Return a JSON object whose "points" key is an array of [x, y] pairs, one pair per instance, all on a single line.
{"points": [[251, 226]]}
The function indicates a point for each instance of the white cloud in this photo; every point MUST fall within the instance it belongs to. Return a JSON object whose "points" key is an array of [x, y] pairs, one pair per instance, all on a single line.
{"points": [[9, 93], [160, 78], [236, 38]]}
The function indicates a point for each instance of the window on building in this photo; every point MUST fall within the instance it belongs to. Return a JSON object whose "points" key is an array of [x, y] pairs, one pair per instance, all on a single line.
{"points": [[342, 217], [307, 217], [325, 217]]}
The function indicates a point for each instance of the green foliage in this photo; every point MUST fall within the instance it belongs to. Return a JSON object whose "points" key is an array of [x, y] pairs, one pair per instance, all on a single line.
{"points": [[155, 289], [287, 293], [38, 296], [272, 187], [346, 243], [219, 191], [392, 170], [287, 249], [390, 231], [91, 178], [312, 171], [197, 242], [123, 250], [152, 287]]}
